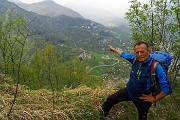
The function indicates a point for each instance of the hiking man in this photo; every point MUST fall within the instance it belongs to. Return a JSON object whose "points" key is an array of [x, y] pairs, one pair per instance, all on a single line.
{"points": [[139, 86]]}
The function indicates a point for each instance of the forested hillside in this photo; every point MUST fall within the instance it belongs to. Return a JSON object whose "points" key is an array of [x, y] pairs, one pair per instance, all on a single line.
{"points": [[75, 48]]}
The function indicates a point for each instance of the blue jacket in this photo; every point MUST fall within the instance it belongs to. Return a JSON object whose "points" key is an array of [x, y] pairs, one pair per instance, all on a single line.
{"points": [[139, 82]]}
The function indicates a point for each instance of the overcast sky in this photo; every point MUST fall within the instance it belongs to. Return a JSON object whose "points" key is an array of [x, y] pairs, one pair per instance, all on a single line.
{"points": [[114, 6]]}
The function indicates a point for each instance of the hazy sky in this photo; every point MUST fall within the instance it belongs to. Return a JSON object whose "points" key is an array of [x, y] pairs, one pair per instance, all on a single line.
{"points": [[114, 6]]}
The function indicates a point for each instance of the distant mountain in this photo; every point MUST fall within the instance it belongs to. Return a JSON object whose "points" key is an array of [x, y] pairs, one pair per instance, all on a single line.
{"points": [[6, 5], [101, 16], [14, 1], [52, 9], [49, 8]]}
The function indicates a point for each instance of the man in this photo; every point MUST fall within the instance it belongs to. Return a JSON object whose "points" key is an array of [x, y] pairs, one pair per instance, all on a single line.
{"points": [[138, 88]]}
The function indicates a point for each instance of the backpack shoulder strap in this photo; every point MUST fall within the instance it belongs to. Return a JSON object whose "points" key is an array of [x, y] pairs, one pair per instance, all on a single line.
{"points": [[153, 67], [154, 79]]}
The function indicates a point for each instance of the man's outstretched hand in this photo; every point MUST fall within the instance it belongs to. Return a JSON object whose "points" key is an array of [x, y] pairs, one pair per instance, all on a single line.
{"points": [[110, 48]]}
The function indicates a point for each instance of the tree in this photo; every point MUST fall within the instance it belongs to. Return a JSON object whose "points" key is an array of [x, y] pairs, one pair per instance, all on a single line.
{"points": [[45, 65], [14, 35]]}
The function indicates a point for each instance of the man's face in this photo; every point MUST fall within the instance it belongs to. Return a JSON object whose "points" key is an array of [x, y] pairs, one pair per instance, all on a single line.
{"points": [[141, 52]]}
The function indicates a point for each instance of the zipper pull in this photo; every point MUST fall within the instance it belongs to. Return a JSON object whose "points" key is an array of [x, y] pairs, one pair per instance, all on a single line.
{"points": [[139, 71]]}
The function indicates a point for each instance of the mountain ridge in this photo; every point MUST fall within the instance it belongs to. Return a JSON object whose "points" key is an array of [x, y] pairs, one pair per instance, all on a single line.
{"points": [[49, 8], [53, 9]]}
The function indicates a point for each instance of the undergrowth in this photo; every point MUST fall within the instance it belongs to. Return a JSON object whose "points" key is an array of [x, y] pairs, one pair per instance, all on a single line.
{"points": [[81, 103]]}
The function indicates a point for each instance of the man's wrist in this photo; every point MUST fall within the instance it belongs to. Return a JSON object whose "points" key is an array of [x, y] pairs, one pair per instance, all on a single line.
{"points": [[112, 49]]}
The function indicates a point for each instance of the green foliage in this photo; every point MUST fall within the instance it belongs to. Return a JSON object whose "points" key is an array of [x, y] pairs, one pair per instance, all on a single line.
{"points": [[46, 65], [13, 43], [46, 68], [150, 22]]}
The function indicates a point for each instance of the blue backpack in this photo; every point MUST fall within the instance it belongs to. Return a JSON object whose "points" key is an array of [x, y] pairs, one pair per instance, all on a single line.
{"points": [[164, 59]]}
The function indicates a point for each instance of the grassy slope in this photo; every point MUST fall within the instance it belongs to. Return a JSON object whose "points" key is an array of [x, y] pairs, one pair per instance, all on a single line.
{"points": [[82, 103]]}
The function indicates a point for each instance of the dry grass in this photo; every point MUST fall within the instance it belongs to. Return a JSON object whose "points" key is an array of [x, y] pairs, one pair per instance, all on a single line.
{"points": [[69, 104], [81, 103]]}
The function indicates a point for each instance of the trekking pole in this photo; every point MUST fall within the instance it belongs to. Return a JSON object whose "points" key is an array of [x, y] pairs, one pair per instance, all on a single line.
{"points": [[154, 87], [152, 40]]}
